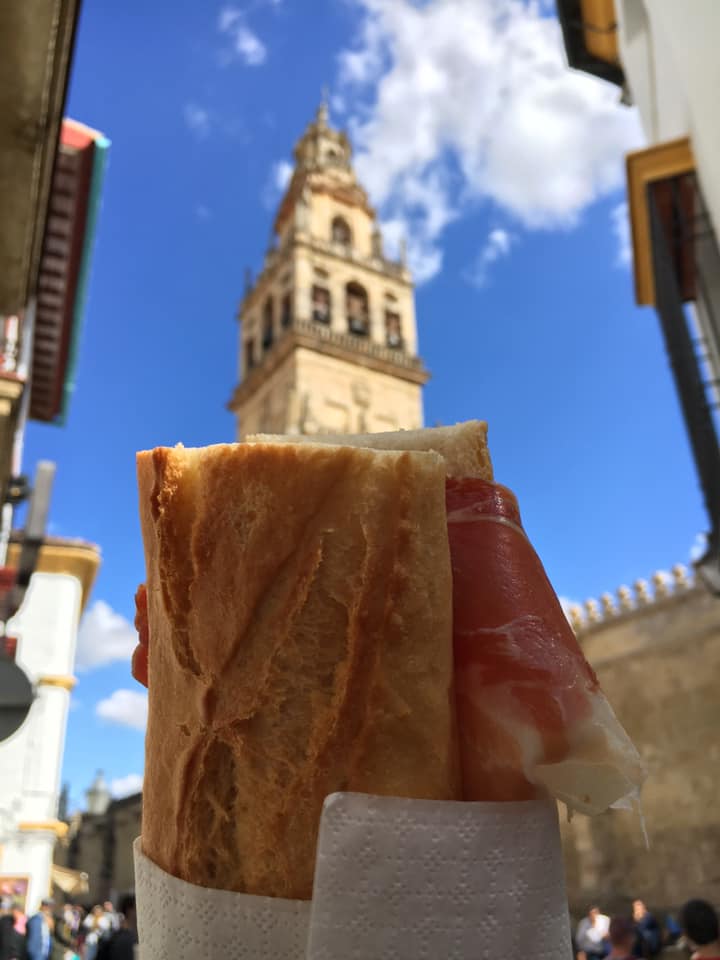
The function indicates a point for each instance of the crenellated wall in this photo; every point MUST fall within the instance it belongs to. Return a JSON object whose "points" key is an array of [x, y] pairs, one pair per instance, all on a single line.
{"points": [[629, 600], [656, 650]]}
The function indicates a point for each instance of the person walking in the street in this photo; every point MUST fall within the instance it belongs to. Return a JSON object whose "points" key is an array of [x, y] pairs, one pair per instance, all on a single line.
{"points": [[699, 923], [40, 932], [647, 932], [621, 933], [12, 932], [591, 935], [121, 944]]}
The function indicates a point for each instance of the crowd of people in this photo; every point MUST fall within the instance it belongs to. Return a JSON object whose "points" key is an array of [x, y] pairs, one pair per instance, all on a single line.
{"points": [[102, 933], [68, 932], [695, 934]]}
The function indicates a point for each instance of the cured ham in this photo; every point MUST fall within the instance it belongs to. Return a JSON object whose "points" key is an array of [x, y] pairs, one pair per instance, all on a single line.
{"points": [[140, 654], [531, 715]]}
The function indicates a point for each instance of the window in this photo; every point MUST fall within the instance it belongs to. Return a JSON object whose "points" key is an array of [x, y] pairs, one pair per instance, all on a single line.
{"points": [[249, 355], [393, 331], [267, 337], [321, 305], [286, 316], [356, 307], [341, 232]]}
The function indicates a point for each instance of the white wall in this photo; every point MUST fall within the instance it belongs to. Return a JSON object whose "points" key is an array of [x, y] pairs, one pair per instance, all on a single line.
{"points": [[31, 760], [669, 49]]}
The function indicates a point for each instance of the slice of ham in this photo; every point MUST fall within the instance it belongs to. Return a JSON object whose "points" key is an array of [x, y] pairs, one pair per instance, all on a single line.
{"points": [[140, 654], [531, 715]]}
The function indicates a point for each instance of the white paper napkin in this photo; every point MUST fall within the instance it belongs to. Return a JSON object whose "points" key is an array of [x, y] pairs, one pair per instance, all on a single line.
{"points": [[180, 921], [417, 878], [395, 879]]}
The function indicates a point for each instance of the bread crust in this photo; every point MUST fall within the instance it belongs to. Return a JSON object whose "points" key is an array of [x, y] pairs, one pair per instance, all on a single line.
{"points": [[463, 446], [300, 610]]}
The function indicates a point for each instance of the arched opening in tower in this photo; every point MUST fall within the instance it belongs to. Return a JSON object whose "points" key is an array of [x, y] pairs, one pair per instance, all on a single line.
{"points": [[356, 307], [321, 305], [340, 232], [268, 332]]}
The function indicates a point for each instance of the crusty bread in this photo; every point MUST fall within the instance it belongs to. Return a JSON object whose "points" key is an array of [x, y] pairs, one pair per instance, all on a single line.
{"points": [[463, 447], [300, 611]]}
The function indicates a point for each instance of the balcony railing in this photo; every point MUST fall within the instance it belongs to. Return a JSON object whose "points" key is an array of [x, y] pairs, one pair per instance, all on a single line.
{"points": [[356, 344], [348, 342], [686, 265]]}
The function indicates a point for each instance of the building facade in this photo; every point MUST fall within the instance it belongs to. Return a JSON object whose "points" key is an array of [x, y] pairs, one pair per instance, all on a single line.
{"points": [[51, 172], [31, 759], [328, 331], [99, 843]]}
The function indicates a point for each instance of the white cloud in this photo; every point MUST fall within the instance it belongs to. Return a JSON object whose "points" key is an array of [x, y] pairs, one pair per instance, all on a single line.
{"points": [[249, 46], [281, 173], [461, 101], [124, 786], [229, 16], [698, 548], [104, 637], [499, 243], [126, 708], [621, 229], [197, 119], [276, 183], [245, 43]]}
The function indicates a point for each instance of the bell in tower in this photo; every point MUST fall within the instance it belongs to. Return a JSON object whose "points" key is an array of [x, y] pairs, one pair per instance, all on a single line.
{"points": [[328, 340]]}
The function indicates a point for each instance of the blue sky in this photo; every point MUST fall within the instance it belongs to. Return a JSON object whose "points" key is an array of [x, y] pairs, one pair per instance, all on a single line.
{"points": [[505, 173]]}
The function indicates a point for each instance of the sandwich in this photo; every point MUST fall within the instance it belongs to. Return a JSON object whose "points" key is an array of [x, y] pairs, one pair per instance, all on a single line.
{"points": [[348, 614]]}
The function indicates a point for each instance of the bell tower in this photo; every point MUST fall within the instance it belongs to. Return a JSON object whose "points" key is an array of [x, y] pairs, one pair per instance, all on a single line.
{"points": [[328, 341]]}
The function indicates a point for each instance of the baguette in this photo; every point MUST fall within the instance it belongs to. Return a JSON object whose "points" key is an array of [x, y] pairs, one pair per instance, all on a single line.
{"points": [[300, 608], [463, 447]]}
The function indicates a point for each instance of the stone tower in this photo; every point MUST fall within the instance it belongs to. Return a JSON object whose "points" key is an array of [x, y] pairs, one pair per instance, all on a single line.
{"points": [[328, 334]]}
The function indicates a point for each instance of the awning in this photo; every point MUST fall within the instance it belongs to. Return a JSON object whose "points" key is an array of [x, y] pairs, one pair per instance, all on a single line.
{"points": [[64, 267], [36, 38], [72, 882], [590, 36]]}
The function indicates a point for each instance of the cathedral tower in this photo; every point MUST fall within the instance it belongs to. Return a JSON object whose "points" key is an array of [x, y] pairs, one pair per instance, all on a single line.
{"points": [[328, 334]]}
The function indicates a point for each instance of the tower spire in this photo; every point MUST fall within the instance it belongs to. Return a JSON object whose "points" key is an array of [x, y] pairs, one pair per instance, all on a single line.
{"points": [[322, 115]]}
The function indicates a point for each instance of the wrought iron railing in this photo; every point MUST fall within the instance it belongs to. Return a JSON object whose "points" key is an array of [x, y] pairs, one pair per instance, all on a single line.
{"points": [[681, 230]]}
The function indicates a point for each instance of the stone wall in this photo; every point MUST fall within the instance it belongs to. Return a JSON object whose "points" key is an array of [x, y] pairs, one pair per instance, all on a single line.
{"points": [[658, 660]]}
